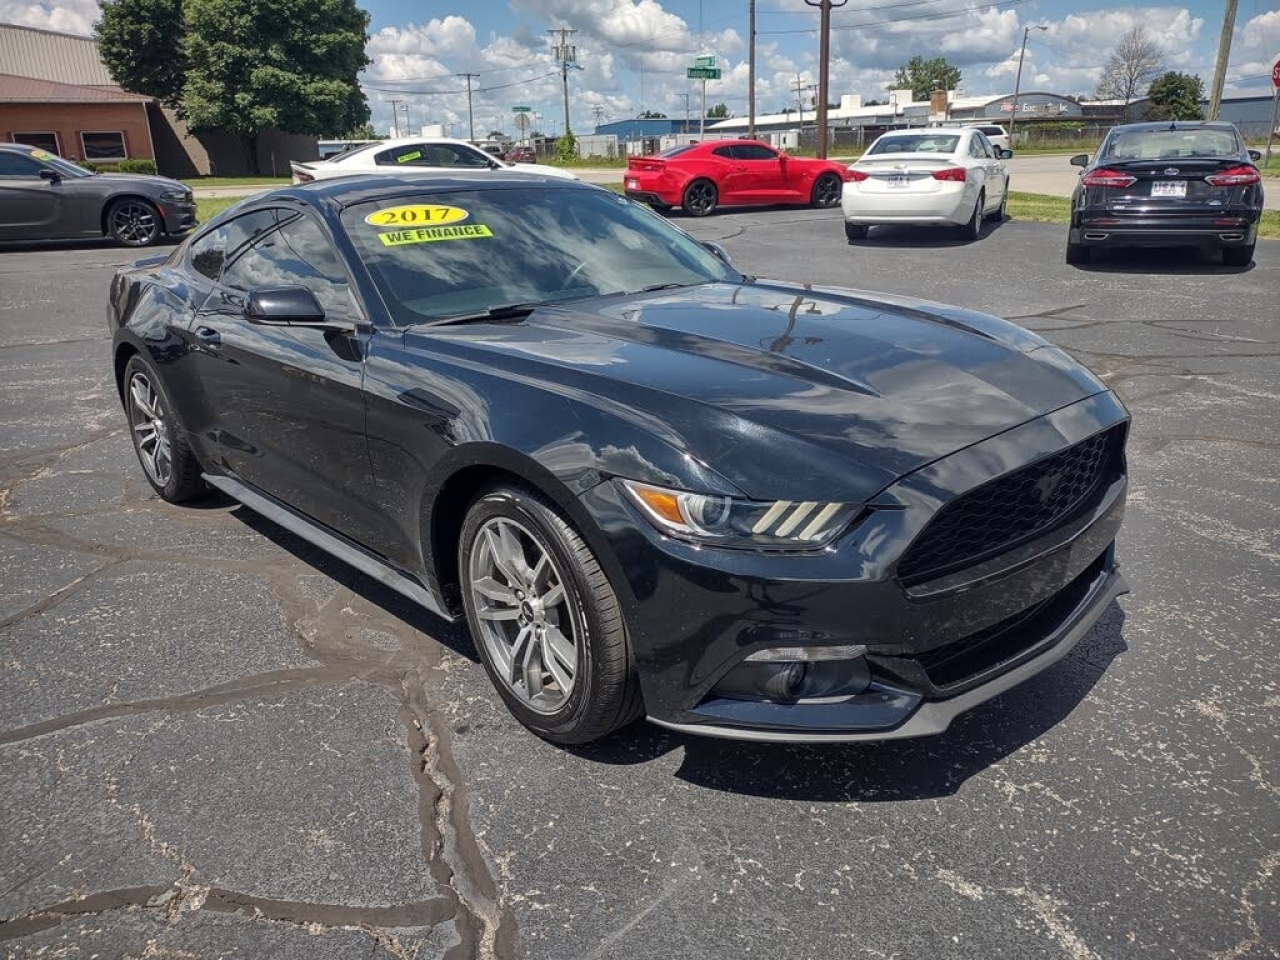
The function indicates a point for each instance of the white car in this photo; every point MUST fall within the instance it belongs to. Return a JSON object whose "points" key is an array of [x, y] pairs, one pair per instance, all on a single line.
{"points": [[935, 176], [997, 134], [419, 155]]}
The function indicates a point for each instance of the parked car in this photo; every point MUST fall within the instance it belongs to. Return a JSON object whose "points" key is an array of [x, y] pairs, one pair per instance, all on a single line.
{"points": [[996, 134], [522, 155], [44, 197], [927, 177], [701, 177], [650, 484], [1168, 184], [419, 155]]}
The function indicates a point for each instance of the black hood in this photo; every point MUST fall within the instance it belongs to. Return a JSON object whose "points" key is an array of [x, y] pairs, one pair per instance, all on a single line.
{"points": [[827, 393]]}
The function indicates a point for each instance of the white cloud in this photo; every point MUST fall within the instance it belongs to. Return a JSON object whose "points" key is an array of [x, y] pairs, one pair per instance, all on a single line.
{"points": [[68, 16]]}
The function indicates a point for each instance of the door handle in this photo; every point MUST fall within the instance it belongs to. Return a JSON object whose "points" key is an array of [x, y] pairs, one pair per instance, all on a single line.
{"points": [[739, 169], [209, 336]]}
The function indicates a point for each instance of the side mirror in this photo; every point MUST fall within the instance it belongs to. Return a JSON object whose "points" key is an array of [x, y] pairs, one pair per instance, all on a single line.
{"points": [[1005, 153], [51, 175], [1080, 160], [717, 251], [1255, 154], [288, 307]]}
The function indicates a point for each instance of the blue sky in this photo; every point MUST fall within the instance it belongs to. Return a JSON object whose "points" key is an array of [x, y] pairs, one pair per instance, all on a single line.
{"points": [[633, 52]]}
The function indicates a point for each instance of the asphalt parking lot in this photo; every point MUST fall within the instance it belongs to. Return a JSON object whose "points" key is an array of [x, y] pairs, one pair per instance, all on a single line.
{"points": [[216, 742]]}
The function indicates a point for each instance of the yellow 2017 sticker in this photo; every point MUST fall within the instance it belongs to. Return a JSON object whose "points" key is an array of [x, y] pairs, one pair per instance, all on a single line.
{"points": [[417, 215], [40, 154], [465, 231], [408, 157]]}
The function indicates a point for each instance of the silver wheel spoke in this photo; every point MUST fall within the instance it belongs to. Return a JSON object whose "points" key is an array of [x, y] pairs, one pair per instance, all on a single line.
{"points": [[501, 559], [553, 596], [498, 613], [531, 669], [513, 665], [562, 651], [491, 589]]}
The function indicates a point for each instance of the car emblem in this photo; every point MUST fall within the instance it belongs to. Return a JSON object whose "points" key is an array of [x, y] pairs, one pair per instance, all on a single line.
{"points": [[1170, 171], [1047, 486]]}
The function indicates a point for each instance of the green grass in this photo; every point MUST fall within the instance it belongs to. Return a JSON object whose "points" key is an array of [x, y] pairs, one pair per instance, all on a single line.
{"points": [[236, 181], [207, 208]]}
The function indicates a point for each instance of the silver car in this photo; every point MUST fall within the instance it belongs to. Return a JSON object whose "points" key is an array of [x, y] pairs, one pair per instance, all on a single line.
{"points": [[44, 197]]}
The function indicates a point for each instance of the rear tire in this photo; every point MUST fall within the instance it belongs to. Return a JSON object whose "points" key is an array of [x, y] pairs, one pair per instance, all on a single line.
{"points": [[700, 198], [855, 231], [159, 439], [1238, 256], [973, 229], [1078, 253], [603, 691]]}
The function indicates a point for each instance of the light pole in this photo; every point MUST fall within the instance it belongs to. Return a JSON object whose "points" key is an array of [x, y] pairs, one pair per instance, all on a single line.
{"points": [[1017, 84], [824, 67]]}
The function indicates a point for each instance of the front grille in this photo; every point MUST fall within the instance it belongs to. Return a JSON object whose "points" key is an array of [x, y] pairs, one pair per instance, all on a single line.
{"points": [[1013, 509]]}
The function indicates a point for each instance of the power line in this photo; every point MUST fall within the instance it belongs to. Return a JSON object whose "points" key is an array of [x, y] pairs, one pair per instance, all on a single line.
{"points": [[871, 24], [432, 93], [471, 117]]}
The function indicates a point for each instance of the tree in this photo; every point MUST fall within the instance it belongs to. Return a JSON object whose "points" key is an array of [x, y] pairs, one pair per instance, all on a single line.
{"points": [[1133, 64], [1175, 96], [567, 147], [719, 112], [364, 131], [925, 76], [497, 135], [243, 66], [652, 115]]}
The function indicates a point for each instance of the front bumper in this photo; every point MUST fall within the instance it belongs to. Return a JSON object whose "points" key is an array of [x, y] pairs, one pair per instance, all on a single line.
{"points": [[179, 217], [693, 614]]}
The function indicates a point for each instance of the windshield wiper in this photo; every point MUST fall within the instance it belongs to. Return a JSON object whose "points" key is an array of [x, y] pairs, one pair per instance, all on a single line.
{"points": [[662, 286], [506, 311]]}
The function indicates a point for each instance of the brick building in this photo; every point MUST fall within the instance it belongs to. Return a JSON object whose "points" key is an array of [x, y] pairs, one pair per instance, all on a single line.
{"points": [[56, 93]]}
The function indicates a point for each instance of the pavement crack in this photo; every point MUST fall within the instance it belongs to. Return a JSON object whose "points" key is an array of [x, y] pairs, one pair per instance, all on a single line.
{"points": [[57, 597], [1245, 947]]}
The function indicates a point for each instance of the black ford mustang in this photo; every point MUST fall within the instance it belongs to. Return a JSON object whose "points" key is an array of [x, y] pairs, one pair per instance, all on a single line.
{"points": [[651, 484], [1168, 184]]}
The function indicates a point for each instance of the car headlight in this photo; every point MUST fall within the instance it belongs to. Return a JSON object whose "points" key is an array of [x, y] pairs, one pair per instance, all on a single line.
{"points": [[176, 196], [732, 522]]}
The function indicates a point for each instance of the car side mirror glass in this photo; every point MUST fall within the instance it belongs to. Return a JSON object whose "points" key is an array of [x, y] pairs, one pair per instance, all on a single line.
{"points": [[1255, 154], [1080, 160], [1005, 153], [283, 306], [51, 175]]}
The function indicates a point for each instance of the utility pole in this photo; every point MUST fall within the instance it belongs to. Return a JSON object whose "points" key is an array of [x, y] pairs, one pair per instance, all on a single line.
{"points": [[751, 71], [686, 110], [1224, 54], [566, 53], [824, 66], [471, 120], [800, 105], [395, 119], [598, 110], [1017, 84]]}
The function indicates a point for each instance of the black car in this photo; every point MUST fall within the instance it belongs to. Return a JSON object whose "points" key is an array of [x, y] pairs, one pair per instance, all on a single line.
{"points": [[44, 197], [1167, 184], [651, 484]]}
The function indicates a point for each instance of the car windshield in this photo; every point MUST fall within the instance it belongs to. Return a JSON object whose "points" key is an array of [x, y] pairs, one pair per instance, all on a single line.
{"points": [[675, 151], [1169, 144], [65, 168], [916, 143], [443, 255]]}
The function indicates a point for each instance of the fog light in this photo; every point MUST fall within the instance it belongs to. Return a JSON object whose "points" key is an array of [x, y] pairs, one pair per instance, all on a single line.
{"points": [[806, 654], [787, 683]]}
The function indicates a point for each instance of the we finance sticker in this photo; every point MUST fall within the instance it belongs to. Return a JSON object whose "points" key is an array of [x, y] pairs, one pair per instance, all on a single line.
{"points": [[463, 231], [416, 215]]}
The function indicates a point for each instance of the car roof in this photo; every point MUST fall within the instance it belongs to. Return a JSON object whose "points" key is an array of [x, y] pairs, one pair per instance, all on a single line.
{"points": [[18, 147], [933, 131], [1177, 125]]}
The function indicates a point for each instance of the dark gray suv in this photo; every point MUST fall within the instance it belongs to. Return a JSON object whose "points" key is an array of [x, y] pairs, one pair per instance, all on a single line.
{"points": [[44, 197]]}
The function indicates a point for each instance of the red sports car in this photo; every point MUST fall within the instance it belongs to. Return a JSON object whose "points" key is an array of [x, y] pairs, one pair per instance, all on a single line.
{"points": [[729, 173]]}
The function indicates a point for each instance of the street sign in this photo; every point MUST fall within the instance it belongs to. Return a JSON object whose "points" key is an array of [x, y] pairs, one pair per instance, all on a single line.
{"points": [[703, 73], [1275, 75], [705, 60], [522, 109], [522, 122]]}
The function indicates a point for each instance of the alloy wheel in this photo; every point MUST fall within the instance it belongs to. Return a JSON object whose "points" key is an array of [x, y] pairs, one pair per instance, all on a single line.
{"points": [[700, 199], [525, 625], [150, 435], [826, 192], [134, 224]]}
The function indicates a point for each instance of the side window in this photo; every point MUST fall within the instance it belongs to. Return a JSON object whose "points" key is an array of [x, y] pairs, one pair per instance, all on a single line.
{"points": [[724, 153], [976, 148], [410, 155], [751, 151], [297, 252], [210, 252], [18, 165]]}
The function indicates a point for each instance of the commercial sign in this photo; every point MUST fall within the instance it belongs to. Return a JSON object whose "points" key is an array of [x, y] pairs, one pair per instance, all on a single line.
{"points": [[703, 73]]}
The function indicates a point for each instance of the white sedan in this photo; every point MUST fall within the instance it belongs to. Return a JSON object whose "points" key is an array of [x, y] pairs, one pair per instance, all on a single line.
{"points": [[928, 177], [419, 155]]}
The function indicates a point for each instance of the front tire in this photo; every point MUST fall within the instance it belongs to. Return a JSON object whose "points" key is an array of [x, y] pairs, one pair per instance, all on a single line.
{"points": [[134, 223], [1238, 256], [545, 620], [159, 440], [700, 198], [826, 192]]}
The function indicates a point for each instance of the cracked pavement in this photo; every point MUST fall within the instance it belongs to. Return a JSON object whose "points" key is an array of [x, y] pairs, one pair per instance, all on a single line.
{"points": [[216, 741]]}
